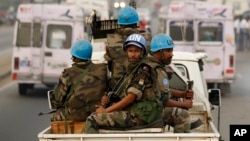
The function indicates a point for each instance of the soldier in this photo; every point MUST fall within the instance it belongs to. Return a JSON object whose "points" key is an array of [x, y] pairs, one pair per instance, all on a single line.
{"points": [[138, 105], [127, 20], [81, 86], [175, 112]]}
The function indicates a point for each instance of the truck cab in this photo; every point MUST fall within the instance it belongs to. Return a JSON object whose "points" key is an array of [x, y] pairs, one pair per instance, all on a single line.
{"points": [[43, 35], [201, 27]]}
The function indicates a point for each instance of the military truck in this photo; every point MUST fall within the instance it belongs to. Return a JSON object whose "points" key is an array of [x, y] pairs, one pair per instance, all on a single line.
{"points": [[186, 67]]}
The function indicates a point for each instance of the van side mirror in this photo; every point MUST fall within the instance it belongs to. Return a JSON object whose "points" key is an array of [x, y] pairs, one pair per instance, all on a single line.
{"points": [[214, 96]]}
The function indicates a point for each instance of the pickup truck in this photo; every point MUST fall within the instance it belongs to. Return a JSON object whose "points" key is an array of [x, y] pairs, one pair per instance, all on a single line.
{"points": [[186, 67]]}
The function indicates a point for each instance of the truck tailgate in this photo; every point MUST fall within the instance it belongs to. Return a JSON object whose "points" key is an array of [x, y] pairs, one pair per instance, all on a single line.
{"points": [[46, 136]]}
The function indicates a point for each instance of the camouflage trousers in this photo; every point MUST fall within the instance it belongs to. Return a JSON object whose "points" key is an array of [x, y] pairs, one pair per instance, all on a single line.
{"points": [[73, 114], [178, 118], [118, 119]]}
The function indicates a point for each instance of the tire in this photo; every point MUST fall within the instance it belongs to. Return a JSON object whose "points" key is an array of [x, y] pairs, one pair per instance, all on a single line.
{"points": [[23, 88]]}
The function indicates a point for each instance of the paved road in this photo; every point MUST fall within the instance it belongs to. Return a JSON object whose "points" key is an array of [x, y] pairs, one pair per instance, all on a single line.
{"points": [[236, 105], [6, 34], [19, 120]]}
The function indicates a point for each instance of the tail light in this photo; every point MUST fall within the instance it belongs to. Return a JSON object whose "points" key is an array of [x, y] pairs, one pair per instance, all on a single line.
{"points": [[229, 71], [14, 76], [231, 61], [231, 65], [16, 63]]}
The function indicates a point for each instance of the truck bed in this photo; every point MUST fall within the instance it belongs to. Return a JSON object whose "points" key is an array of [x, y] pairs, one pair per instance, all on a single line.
{"points": [[170, 136], [206, 132]]}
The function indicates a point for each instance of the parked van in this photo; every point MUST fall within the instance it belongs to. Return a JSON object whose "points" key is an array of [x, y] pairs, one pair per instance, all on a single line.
{"points": [[43, 34], [201, 27]]}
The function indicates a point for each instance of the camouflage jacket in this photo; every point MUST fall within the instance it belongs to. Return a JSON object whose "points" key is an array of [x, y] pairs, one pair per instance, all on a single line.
{"points": [[76, 102], [140, 81], [160, 78], [115, 54]]}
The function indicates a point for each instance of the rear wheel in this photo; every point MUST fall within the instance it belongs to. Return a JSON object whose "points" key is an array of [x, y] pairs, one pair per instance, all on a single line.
{"points": [[23, 88]]}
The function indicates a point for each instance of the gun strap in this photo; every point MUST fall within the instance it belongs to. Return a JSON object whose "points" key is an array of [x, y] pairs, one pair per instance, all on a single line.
{"points": [[121, 85], [119, 82]]}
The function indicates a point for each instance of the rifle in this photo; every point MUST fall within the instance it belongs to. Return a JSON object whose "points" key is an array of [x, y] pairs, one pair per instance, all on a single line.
{"points": [[198, 122], [113, 95], [190, 84]]}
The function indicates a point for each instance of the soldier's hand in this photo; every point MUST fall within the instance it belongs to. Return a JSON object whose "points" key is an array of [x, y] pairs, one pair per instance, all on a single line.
{"points": [[187, 103], [189, 94], [104, 99], [100, 109]]}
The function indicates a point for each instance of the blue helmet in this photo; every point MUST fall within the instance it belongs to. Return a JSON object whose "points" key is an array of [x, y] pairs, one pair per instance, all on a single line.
{"points": [[161, 41], [128, 16], [81, 49], [137, 40]]}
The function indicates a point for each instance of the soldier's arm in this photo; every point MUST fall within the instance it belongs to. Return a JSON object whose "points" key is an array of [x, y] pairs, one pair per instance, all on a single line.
{"points": [[61, 89], [173, 103], [127, 100], [140, 81], [188, 93], [162, 85], [178, 93]]}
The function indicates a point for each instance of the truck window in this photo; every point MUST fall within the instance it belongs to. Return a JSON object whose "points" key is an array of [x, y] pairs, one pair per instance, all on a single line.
{"points": [[176, 82], [210, 33], [59, 36], [181, 31]]}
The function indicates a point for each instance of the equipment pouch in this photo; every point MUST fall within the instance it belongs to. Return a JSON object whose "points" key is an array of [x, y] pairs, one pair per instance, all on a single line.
{"points": [[148, 111]]}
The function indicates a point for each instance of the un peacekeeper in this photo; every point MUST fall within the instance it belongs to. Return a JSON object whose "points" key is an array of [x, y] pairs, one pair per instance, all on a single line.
{"points": [[81, 86], [138, 105], [115, 56], [175, 112]]}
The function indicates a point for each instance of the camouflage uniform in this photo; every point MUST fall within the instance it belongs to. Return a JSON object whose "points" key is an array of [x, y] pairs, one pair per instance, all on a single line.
{"points": [[81, 102], [128, 117], [177, 117], [115, 54]]}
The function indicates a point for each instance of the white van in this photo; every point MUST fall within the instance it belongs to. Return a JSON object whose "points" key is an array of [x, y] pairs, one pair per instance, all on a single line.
{"points": [[202, 27], [43, 34]]}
